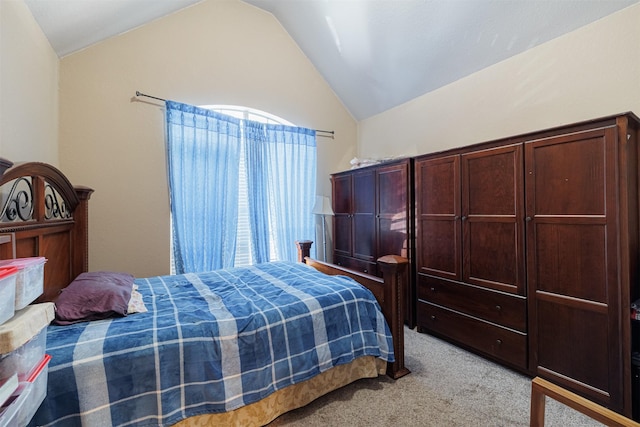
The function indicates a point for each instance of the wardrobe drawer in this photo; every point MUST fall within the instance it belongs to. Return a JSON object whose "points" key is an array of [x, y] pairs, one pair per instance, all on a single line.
{"points": [[504, 344], [356, 264], [487, 304]]}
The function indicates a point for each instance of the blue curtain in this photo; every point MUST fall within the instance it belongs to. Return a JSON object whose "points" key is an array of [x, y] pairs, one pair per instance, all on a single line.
{"points": [[257, 166], [203, 153], [286, 156]]}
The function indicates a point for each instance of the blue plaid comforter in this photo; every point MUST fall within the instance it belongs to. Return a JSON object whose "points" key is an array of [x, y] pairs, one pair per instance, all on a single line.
{"points": [[211, 342]]}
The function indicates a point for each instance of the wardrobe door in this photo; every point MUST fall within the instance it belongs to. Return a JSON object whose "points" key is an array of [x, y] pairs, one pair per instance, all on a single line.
{"points": [[392, 213], [438, 217], [342, 222], [492, 219], [572, 257], [393, 223], [363, 215]]}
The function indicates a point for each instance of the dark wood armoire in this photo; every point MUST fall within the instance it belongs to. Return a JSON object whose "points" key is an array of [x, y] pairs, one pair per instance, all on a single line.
{"points": [[470, 251], [527, 252], [373, 217]]}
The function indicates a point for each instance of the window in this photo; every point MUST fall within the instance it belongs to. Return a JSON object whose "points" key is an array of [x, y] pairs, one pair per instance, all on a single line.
{"points": [[243, 254], [243, 245]]}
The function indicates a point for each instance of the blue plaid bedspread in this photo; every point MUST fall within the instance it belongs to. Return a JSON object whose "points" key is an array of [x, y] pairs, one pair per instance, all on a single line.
{"points": [[211, 342]]}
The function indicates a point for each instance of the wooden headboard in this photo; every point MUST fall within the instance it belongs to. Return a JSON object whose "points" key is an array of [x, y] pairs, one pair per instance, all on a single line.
{"points": [[43, 215]]}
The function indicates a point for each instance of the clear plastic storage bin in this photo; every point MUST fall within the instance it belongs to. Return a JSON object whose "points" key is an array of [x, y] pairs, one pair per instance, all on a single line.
{"points": [[29, 280], [28, 398], [38, 380], [13, 413], [25, 358], [7, 292]]}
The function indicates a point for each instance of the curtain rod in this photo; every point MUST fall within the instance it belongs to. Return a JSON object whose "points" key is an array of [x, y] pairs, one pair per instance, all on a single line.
{"points": [[329, 133]]}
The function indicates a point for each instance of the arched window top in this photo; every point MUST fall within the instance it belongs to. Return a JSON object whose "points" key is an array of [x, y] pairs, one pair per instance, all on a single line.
{"points": [[246, 113]]}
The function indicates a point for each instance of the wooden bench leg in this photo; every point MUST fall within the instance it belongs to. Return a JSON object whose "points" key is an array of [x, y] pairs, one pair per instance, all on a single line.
{"points": [[537, 406], [541, 388]]}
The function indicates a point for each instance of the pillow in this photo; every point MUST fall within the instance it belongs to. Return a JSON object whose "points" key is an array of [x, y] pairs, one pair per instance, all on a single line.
{"points": [[94, 296]]}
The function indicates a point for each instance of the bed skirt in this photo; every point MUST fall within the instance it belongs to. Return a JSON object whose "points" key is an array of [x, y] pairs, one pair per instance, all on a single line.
{"points": [[292, 397]]}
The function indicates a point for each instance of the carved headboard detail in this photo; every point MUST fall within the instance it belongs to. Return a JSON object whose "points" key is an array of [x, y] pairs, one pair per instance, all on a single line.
{"points": [[43, 215]]}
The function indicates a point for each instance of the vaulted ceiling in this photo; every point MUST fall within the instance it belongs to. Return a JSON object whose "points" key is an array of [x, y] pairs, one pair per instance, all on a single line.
{"points": [[375, 54]]}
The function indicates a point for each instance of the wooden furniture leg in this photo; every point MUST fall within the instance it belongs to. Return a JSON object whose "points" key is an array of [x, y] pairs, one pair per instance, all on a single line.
{"points": [[537, 405], [541, 388]]}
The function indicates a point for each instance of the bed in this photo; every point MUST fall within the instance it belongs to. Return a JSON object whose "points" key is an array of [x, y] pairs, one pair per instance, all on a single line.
{"points": [[171, 364]]}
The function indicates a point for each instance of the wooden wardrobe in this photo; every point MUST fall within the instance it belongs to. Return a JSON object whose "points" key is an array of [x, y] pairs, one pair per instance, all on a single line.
{"points": [[373, 217], [527, 252], [470, 251]]}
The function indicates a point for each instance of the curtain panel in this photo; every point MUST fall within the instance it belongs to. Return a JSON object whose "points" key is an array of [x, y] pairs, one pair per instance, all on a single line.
{"points": [[291, 187], [203, 154], [257, 167]]}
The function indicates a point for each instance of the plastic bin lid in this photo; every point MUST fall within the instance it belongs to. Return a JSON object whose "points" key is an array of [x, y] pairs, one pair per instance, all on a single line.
{"points": [[7, 271], [24, 325], [22, 262]]}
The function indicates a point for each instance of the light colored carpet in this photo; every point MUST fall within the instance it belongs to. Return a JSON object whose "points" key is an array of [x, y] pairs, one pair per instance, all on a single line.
{"points": [[447, 386]]}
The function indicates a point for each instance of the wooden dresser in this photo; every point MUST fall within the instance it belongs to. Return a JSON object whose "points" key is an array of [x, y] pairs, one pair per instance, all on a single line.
{"points": [[527, 252], [373, 217], [470, 251]]}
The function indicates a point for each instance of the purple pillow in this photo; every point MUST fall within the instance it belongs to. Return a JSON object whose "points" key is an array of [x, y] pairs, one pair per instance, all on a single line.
{"points": [[94, 296]]}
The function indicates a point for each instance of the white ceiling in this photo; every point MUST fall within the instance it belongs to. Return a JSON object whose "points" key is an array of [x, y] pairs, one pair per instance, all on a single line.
{"points": [[375, 54]]}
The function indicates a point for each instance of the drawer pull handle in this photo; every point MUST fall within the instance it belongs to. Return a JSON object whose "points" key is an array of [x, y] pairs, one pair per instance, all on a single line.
{"points": [[433, 317], [498, 308], [498, 342], [365, 270], [433, 289]]}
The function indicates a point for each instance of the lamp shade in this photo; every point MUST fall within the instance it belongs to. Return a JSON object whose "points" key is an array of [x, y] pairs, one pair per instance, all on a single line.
{"points": [[322, 206]]}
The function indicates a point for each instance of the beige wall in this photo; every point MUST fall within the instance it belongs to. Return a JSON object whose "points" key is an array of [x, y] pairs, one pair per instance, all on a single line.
{"points": [[216, 52], [227, 52], [591, 72], [28, 88]]}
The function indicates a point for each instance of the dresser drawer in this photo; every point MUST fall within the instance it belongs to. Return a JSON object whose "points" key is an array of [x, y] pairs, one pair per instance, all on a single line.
{"points": [[356, 264], [487, 304], [500, 343]]}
